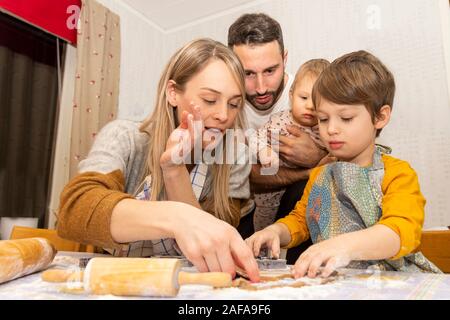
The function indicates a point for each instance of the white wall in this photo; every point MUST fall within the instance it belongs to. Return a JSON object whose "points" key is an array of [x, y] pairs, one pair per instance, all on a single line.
{"points": [[408, 35], [142, 60]]}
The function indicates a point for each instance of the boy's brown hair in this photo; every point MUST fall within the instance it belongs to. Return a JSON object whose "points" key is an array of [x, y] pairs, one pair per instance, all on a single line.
{"points": [[356, 78]]}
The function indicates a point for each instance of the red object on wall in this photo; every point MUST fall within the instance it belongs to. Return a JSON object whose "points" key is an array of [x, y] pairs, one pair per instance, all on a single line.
{"points": [[57, 17]]}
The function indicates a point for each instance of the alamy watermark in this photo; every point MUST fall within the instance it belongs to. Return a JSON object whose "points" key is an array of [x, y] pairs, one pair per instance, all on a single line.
{"points": [[373, 21], [74, 15], [234, 146]]}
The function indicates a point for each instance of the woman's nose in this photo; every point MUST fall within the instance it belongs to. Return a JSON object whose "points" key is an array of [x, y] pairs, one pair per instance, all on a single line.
{"points": [[222, 113]]}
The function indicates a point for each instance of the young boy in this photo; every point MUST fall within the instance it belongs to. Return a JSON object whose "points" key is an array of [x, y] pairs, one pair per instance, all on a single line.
{"points": [[366, 210]]}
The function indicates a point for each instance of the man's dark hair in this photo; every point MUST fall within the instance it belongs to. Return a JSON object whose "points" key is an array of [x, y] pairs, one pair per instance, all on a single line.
{"points": [[255, 28]]}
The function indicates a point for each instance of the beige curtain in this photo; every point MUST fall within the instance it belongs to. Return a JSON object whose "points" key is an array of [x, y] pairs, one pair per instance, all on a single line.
{"points": [[97, 77]]}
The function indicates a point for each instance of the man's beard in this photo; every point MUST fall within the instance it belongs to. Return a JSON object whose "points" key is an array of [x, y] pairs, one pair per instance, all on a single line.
{"points": [[275, 95]]}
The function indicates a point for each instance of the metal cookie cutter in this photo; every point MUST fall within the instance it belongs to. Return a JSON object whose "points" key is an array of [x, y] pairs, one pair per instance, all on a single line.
{"points": [[82, 263], [265, 261]]}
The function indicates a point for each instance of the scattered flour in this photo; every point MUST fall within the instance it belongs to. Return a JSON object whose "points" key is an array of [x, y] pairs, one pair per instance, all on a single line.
{"points": [[350, 284]]}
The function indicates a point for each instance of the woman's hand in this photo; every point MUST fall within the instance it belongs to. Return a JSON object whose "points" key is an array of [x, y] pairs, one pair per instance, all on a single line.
{"points": [[183, 139], [332, 253], [212, 244]]}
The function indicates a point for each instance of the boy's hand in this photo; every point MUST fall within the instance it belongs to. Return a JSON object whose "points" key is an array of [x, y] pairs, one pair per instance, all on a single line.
{"points": [[331, 254], [268, 237]]}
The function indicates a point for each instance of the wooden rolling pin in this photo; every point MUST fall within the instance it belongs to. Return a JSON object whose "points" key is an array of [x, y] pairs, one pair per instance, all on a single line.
{"points": [[24, 256], [215, 279], [144, 277]]}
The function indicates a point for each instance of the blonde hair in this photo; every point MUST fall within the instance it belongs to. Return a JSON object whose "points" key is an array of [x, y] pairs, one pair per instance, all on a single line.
{"points": [[311, 67], [184, 64]]}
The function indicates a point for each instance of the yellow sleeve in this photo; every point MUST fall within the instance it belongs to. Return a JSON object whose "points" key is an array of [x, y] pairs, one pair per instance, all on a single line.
{"points": [[402, 204], [296, 219]]}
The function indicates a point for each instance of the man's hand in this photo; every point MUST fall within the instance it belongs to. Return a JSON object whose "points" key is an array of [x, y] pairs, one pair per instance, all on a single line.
{"points": [[300, 149]]}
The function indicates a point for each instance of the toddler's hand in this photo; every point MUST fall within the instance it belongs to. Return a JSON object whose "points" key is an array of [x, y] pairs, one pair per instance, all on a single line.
{"points": [[331, 253], [270, 162], [268, 158]]}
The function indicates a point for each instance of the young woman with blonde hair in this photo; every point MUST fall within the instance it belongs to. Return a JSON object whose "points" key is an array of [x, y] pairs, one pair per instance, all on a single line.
{"points": [[134, 195]]}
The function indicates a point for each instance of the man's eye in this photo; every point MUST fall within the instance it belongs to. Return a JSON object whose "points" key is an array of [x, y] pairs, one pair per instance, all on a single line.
{"points": [[249, 74]]}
